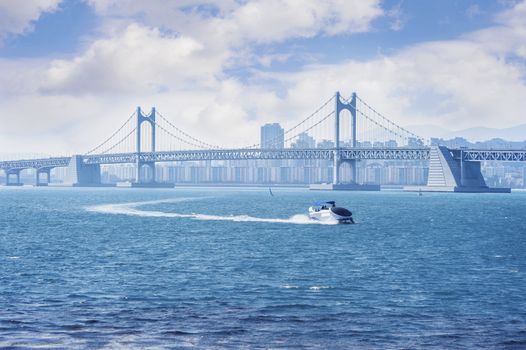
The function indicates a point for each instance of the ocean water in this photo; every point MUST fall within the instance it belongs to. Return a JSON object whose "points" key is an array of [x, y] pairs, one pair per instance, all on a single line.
{"points": [[237, 268]]}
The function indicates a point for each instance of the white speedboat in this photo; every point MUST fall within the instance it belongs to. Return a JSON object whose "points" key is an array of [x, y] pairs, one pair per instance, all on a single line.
{"points": [[328, 211]]}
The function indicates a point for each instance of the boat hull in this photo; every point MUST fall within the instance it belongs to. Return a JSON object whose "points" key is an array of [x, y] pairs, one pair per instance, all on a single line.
{"points": [[337, 215]]}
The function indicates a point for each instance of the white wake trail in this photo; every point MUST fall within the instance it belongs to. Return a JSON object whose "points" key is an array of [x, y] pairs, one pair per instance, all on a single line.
{"points": [[132, 209]]}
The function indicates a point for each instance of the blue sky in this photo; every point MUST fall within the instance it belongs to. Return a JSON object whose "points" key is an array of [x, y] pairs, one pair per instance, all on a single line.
{"points": [[71, 70], [59, 33], [74, 23]]}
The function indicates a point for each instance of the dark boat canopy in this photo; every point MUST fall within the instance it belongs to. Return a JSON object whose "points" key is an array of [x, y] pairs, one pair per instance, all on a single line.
{"points": [[341, 211]]}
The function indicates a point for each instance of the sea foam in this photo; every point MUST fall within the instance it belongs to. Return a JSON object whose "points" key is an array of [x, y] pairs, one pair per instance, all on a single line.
{"points": [[133, 209]]}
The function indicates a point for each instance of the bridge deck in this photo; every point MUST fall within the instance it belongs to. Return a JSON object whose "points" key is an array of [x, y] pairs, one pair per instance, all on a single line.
{"points": [[268, 154], [265, 154]]}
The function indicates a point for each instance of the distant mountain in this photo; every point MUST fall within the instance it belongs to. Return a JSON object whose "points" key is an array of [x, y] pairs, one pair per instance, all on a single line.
{"points": [[427, 131], [516, 133]]}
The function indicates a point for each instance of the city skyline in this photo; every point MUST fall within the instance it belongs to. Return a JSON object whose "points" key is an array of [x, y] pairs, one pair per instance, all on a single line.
{"points": [[304, 172]]}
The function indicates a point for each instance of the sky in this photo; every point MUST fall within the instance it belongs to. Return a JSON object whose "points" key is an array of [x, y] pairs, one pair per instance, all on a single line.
{"points": [[72, 71]]}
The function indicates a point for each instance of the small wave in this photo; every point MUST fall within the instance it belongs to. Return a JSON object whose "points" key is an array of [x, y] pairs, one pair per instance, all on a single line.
{"points": [[288, 286], [132, 209], [129, 208], [13, 257], [317, 288]]}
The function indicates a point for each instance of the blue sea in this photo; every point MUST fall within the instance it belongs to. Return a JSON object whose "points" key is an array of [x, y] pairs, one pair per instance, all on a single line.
{"points": [[215, 268]]}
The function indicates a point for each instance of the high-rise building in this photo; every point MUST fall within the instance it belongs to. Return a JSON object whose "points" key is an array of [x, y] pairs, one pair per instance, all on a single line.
{"points": [[272, 136], [394, 144], [414, 142], [325, 144], [304, 140]]}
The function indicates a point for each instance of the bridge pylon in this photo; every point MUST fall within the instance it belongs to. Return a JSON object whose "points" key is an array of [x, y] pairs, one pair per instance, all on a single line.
{"points": [[141, 118], [337, 162], [337, 151]]}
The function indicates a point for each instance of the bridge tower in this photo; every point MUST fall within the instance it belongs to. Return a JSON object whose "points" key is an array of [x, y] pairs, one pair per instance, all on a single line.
{"points": [[141, 118], [339, 107]]}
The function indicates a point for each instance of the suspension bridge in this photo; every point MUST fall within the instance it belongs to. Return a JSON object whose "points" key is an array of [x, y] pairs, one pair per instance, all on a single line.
{"points": [[341, 130]]}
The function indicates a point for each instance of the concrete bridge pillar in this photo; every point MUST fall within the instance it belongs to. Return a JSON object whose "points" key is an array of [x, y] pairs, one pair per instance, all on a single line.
{"points": [[336, 162], [8, 175], [41, 171], [151, 169], [449, 172], [80, 174], [352, 163]]}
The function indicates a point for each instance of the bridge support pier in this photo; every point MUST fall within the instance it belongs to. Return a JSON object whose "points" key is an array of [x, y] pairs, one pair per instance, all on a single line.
{"points": [[140, 179], [336, 162], [41, 171], [79, 174], [354, 171], [8, 175], [449, 172]]}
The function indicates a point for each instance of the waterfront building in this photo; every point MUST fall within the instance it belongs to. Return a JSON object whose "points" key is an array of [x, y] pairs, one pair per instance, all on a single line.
{"points": [[394, 144], [304, 140], [272, 136], [414, 142], [325, 144], [365, 144]]}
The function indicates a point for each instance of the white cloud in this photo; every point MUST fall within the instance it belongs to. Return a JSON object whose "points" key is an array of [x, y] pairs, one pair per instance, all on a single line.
{"points": [[230, 31], [249, 21], [454, 83], [16, 17], [398, 17], [507, 36], [183, 70], [139, 59]]}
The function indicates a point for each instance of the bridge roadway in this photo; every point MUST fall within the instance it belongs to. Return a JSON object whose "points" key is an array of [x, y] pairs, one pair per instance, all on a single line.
{"points": [[267, 154], [225, 154]]}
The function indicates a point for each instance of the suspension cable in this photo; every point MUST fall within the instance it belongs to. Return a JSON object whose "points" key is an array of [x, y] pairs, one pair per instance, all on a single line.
{"points": [[311, 127], [119, 142], [388, 120], [277, 139], [179, 138], [184, 133], [112, 135]]}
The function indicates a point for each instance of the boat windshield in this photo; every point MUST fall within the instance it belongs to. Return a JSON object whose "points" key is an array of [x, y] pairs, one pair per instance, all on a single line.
{"points": [[325, 205]]}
